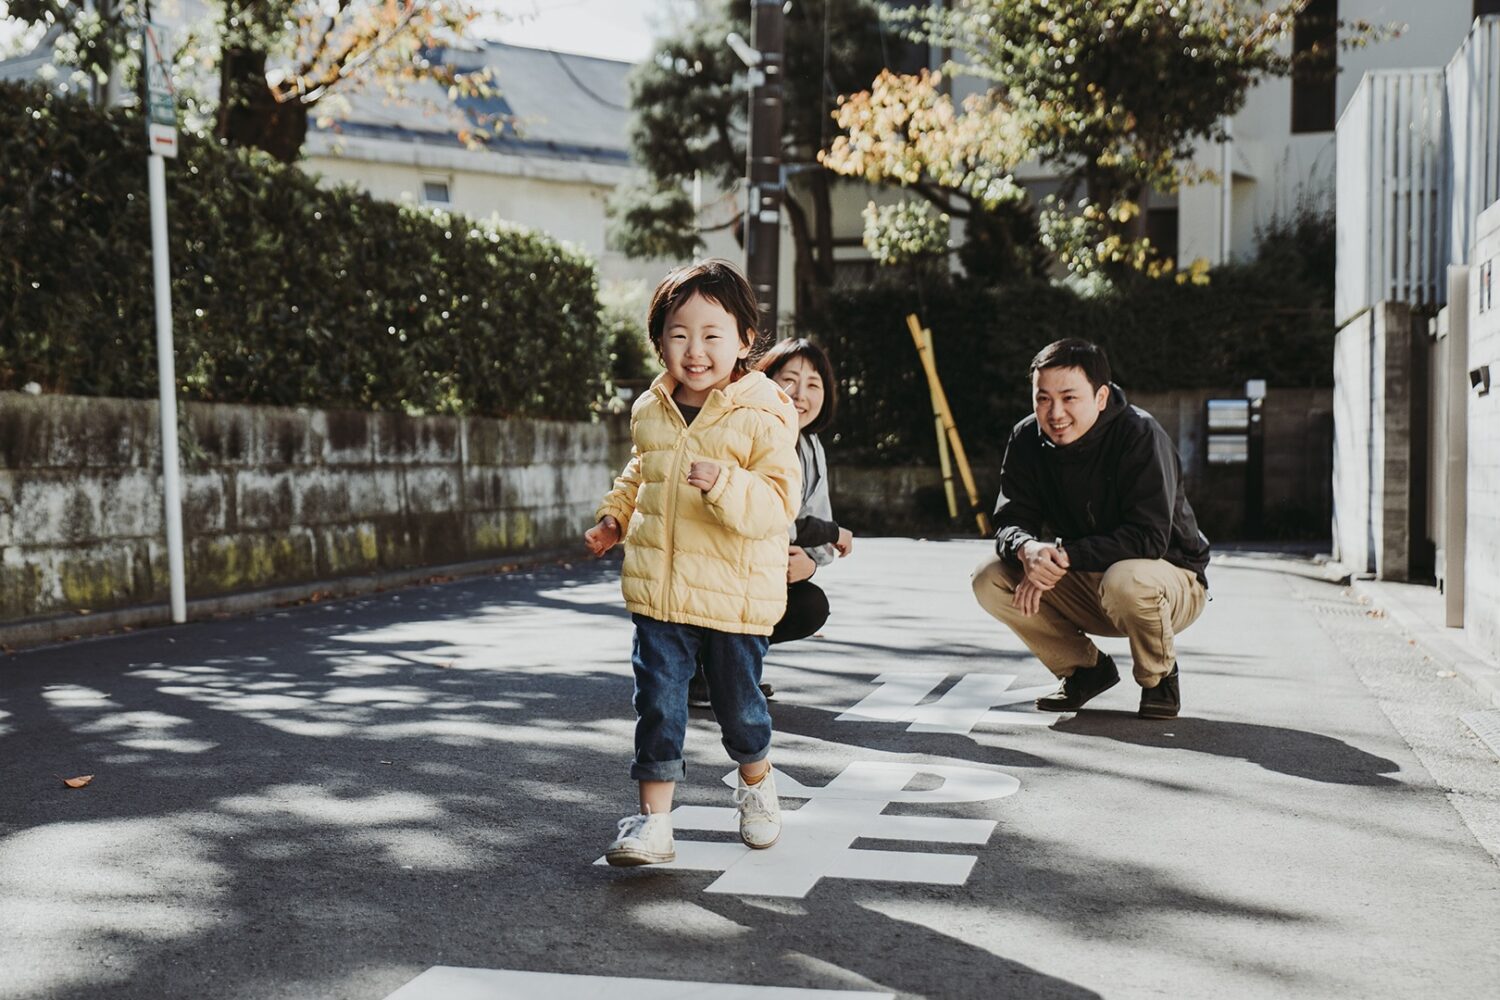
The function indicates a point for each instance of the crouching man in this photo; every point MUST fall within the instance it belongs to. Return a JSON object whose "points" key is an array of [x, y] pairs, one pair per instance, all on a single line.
{"points": [[1094, 536]]}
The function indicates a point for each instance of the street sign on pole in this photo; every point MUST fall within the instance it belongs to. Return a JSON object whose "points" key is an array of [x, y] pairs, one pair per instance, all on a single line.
{"points": [[161, 98], [765, 187], [161, 131]]}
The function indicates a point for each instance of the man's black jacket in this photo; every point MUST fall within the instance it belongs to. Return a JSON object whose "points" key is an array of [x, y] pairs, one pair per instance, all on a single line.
{"points": [[1115, 493]]}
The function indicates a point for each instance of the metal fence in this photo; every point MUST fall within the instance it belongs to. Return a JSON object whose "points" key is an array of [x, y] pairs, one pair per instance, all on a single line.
{"points": [[1392, 201], [1418, 160], [1473, 92]]}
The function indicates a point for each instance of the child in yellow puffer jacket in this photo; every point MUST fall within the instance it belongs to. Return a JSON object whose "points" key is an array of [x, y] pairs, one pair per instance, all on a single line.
{"points": [[703, 505]]}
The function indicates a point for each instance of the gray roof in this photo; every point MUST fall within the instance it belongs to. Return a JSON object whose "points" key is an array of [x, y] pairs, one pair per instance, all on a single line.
{"points": [[549, 104]]}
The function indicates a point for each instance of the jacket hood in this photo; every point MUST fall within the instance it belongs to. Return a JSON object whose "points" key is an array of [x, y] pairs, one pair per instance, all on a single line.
{"points": [[1113, 407], [752, 389]]}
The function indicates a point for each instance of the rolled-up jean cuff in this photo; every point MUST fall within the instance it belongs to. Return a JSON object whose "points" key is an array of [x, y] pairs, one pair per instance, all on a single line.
{"points": [[658, 770], [740, 757]]}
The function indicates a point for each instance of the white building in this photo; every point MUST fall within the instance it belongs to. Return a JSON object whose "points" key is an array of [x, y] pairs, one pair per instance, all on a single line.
{"points": [[558, 148], [1417, 422], [1283, 140]]}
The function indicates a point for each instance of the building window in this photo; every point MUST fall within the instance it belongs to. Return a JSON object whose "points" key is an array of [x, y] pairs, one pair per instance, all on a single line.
{"points": [[1483, 7], [435, 193], [1315, 37], [1161, 230]]}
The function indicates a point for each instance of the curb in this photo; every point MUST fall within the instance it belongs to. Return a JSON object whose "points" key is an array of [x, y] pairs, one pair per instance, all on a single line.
{"points": [[1438, 642], [40, 633]]}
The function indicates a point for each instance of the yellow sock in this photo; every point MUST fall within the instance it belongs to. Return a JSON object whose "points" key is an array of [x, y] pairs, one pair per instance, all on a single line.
{"points": [[757, 779]]}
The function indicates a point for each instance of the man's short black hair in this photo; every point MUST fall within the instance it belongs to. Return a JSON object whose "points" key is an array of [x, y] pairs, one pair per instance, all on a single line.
{"points": [[1074, 353]]}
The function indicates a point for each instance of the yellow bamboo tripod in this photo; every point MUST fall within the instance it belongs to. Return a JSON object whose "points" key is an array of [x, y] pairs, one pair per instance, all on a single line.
{"points": [[947, 431]]}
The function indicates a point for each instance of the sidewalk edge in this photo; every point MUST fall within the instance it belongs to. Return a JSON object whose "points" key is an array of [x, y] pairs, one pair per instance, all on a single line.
{"points": [[39, 633], [1480, 674]]}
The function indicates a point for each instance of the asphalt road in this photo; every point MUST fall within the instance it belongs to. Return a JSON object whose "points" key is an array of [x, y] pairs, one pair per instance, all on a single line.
{"points": [[330, 800]]}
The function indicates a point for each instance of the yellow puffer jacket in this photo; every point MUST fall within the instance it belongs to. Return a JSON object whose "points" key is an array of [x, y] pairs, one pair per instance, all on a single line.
{"points": [[716, 559]]}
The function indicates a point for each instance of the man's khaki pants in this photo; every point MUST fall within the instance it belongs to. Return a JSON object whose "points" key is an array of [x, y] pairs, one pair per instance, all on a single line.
{"points": [[1147, 600]]}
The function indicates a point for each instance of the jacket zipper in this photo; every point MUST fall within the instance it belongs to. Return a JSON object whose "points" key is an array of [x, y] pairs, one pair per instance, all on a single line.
{"points": [[671, 508]]}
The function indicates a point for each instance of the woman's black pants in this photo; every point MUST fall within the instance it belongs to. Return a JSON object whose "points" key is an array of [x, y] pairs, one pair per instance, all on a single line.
{"points": [[806, 611]]}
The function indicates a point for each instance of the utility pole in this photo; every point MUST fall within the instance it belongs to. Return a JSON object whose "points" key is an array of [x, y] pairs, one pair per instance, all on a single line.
{"points": [[161, 137], [765, 185]]}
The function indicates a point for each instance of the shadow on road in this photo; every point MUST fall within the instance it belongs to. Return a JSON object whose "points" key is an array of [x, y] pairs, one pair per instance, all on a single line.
{"points": [[1287, 751]]}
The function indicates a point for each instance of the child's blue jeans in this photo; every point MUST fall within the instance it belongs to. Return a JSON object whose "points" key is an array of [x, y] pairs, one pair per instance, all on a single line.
{"points": [[665, 656]]}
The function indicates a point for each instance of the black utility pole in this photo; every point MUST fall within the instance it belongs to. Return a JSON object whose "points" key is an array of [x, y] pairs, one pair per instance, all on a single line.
{"points": [[763, 170]]}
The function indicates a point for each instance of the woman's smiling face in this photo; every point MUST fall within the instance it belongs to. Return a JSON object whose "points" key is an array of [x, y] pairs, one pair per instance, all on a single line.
{"points": [[800, 380]]}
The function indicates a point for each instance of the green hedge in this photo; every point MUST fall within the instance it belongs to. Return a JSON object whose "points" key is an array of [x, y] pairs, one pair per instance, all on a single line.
{"points": [[1270, 319], [282, 292]]}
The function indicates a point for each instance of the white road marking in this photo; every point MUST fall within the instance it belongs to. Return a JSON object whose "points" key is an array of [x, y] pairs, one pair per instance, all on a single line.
{"points": [[974, 699], [444, 982], [816, 840]]}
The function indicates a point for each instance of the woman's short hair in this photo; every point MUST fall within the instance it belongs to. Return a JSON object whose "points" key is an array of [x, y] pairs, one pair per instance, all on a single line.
{"points": [[783, 352]]}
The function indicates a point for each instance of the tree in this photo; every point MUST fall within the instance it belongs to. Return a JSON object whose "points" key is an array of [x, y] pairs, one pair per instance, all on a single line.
{"points": [[327, 47], [689, 105], [92, 37], [1114, 94], [276, 59]]}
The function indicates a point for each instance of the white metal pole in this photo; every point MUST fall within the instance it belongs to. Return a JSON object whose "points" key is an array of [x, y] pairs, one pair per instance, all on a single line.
{"points": [[166, 377], [1226, 196]]}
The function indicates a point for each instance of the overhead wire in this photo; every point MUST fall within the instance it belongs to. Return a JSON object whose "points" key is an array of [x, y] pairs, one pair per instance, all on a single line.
{"points": [[583, 86]]}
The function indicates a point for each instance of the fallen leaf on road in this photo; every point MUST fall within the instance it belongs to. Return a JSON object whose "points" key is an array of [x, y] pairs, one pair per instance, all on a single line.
{"points": [[78, 782]]}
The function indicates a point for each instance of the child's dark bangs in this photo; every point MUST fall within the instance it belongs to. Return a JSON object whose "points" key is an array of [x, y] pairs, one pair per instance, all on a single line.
{"points": [[719, 291]]}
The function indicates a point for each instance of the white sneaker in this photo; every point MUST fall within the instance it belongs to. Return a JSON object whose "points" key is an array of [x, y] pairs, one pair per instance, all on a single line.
{"points": [[760, 812], [643, 840]]}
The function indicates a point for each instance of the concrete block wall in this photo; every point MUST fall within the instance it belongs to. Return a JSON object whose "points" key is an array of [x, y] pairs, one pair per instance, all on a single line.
{"points": [[1296, 488], [1352, 472], [1482, 560], [1296, 460], [271, 497], [1373, 467]]}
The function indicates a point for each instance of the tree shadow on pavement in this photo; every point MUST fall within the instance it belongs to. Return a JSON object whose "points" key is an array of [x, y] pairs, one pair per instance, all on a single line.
{"points": [[896, 954], [1288, 751]]}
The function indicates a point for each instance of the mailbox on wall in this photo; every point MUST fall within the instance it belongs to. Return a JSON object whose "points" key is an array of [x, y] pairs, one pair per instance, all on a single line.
{"points": [[1228, 431], [1236, 437]]}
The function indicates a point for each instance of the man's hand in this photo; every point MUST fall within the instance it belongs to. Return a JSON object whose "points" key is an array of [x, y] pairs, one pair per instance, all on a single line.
{"points": [[1027, 598], [845, 544], [799, 565], [1043, 564], [703, 475], [603, 536]]}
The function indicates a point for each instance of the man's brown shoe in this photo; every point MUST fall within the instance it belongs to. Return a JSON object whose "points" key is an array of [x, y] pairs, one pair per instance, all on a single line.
{"points": [[1163, 701], [1082, 685]]}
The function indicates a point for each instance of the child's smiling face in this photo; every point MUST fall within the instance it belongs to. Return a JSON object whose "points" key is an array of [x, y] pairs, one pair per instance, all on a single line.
{"points": [[700, 345]]}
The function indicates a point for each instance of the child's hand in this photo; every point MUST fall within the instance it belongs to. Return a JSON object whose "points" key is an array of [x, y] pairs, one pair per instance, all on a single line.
{"points": [[703, 475], [603, 536], [845, 544]]}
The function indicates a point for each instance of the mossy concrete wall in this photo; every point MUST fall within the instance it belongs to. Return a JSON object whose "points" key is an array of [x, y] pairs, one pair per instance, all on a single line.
{"points": [[272, 497]]}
